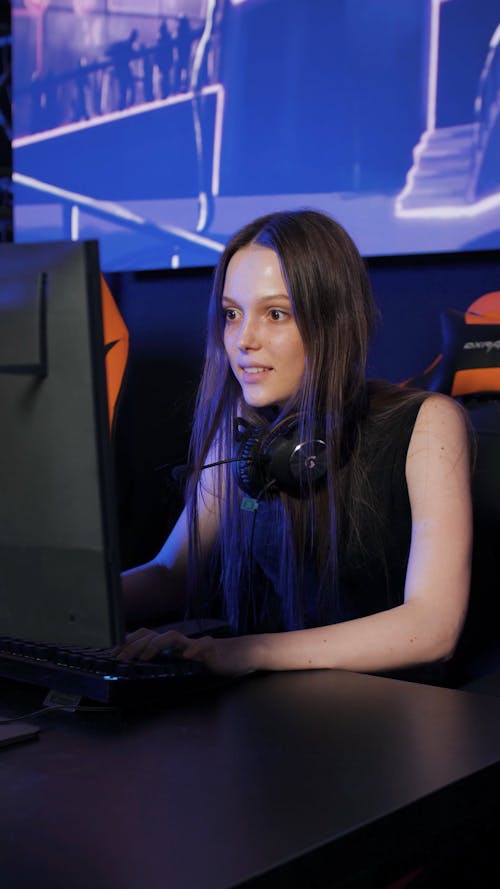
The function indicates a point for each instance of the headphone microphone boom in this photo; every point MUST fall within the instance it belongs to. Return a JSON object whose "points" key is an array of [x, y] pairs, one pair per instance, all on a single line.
{"points": [[277, 460], [270, 461]]}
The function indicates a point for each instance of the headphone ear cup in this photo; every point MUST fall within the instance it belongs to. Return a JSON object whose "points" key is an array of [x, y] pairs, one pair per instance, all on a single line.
{"points": [[277, 461], [296, 465], [249, 465]]}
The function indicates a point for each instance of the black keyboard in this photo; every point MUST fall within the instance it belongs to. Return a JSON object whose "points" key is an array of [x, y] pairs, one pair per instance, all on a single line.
{"points": [[97, 674]]}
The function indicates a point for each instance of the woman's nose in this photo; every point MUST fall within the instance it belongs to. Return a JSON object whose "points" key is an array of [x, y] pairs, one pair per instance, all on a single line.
{"points": [[248, 335]]}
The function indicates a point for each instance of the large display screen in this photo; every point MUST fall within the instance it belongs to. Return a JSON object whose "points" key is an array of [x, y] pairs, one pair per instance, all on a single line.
{"points": [[161, 126]]}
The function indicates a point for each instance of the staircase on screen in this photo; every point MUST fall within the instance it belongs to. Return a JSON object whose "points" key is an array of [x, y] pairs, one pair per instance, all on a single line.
{"points": [[444, 169]]}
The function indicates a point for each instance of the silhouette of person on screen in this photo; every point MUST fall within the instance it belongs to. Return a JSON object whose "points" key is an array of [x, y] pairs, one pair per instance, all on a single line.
{"points": [[79, 105], [46, 113], [121, 53], [164, 59], [183, 45], [327, 517]]}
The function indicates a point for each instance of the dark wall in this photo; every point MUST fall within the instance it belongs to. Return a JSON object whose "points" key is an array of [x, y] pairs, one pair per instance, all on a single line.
{"points": [[165, 313]]}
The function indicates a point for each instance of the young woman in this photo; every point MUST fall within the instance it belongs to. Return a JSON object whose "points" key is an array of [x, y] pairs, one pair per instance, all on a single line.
{"points": [[352, 549]]}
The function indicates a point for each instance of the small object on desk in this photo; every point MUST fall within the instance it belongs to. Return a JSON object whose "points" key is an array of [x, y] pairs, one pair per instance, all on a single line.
{"points": [[62, 701], [15, 732]]}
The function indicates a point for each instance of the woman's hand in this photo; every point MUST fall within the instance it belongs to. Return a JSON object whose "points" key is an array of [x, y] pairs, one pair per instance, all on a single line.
{"points": [[226, 657]]}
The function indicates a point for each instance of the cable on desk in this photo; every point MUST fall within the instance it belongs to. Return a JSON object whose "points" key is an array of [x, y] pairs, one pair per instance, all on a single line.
{"points": [[54, 707]]}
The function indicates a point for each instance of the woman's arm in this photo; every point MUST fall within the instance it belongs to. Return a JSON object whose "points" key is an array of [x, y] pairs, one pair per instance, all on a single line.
{"points": [[426, 627], [156, 592]]}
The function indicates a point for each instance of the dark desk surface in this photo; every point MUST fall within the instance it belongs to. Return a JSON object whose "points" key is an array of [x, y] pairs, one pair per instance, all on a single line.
{"points": [[257, 783]]}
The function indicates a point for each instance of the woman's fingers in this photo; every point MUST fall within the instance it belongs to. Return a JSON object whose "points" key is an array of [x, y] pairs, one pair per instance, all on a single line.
{"points": [[146, 644], [129, 640], [229, 657]]}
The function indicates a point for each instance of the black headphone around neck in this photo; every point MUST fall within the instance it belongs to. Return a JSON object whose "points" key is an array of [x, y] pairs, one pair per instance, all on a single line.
{"points": [[277, 460]]}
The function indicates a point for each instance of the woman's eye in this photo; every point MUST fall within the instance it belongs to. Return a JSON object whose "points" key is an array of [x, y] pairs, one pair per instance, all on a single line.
{"points": [[229, 314], [277, 314]]}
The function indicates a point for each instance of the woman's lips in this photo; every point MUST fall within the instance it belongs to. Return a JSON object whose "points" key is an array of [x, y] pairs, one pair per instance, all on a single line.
{"points": [[254, 373]]}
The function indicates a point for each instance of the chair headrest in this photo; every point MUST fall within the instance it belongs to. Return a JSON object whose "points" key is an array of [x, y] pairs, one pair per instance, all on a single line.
{"points": [[470, 360]]}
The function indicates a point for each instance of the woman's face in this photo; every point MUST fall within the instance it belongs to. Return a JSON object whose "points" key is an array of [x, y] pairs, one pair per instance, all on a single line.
{"points": [[261, 337]]}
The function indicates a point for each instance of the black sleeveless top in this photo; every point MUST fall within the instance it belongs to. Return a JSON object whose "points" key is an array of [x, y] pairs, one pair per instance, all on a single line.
{"points": [[371, 570]]}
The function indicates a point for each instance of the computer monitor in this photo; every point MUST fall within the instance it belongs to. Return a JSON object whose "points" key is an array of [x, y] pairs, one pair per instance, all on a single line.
{"points": [[59, 555]]}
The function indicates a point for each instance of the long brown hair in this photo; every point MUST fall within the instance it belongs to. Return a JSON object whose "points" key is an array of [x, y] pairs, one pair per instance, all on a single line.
{"points": [[331, 298]]}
